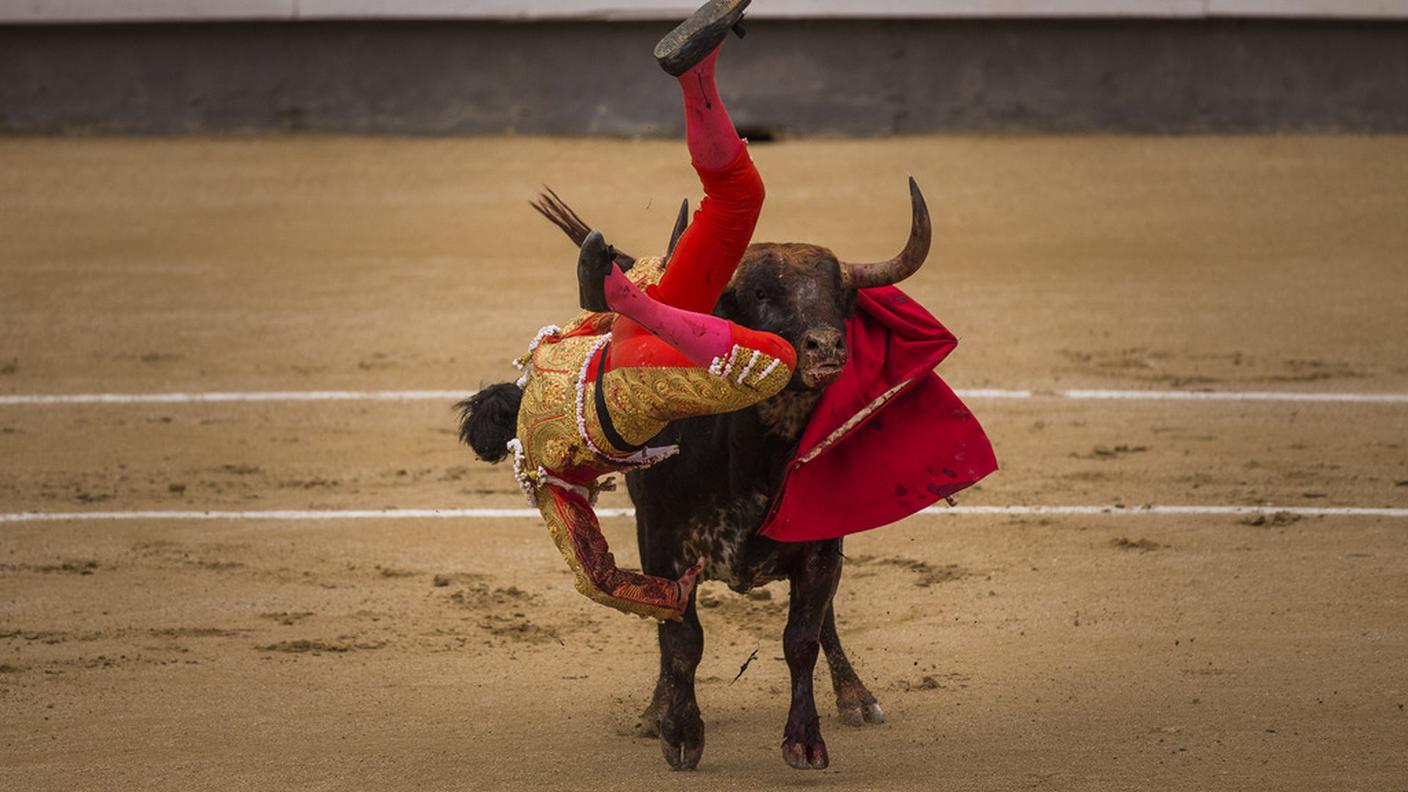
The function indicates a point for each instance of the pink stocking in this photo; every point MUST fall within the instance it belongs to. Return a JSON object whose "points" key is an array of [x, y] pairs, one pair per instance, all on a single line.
{"points": [[698, 336], [713, 142]]}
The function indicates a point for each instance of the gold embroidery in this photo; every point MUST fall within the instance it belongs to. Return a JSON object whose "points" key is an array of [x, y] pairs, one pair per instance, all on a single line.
{"points": [[547, 420], [643, 400]]}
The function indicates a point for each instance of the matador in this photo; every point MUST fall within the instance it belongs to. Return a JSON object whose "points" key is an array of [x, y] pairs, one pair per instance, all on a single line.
{"points": [[645, 351]]}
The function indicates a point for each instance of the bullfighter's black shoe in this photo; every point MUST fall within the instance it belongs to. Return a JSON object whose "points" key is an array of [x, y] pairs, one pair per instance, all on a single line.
{"points": [[593, 265], [698, 35]]}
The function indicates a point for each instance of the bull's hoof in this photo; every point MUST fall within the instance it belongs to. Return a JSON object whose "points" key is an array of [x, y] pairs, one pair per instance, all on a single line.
{"points": [[682, 742], [861, 713], [805, 755]]}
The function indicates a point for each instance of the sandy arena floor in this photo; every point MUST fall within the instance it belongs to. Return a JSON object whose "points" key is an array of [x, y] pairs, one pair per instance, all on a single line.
{"points": [[1098, 652]]}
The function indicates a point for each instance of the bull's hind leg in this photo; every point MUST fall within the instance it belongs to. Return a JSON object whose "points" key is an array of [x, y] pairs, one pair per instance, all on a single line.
{"points": [[854, 702], [813, 580]]}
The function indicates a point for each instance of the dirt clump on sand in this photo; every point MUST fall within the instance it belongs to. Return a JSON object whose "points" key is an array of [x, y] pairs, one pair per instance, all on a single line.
{"points": [[303, 645], [925, 573], [1142, 545], [1273, 520]]}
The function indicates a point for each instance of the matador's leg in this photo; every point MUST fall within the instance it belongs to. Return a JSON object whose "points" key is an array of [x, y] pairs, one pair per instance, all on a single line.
{"points": [[665, 386], [700, 337], [707, 254], [705, 257], [709, 251], [667, 363]]}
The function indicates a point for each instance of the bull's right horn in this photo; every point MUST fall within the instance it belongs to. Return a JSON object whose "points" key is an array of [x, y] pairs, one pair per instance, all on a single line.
{"points": [[886, 273]]}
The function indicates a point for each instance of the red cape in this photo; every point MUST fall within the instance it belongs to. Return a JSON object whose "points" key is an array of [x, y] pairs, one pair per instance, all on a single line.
{"points": [[888, 438]]}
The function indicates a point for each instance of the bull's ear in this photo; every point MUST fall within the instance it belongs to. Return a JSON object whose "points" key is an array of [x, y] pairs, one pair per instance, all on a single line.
{"points": [[849, 298], [681, 223]]}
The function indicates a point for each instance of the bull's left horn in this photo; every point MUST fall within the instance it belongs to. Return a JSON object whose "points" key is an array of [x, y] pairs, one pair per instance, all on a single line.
{"points": [[885, 273], [681, 223]]}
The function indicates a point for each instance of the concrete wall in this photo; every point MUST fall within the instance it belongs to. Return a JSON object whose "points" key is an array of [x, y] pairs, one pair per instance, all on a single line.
{"points": [[863, 77], [46, 11]]}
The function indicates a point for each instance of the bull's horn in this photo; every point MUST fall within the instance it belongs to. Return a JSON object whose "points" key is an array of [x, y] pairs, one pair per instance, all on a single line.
{"points": [[885, 273], [681, 223]]}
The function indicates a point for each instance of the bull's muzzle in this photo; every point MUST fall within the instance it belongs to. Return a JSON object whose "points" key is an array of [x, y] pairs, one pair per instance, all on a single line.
{"points": [[821, 355]]}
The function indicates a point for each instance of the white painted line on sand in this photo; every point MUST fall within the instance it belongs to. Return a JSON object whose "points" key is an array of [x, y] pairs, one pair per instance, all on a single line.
{"points": [[992, 393], [289, 514], [481, 514], [1154, 509], [453, 395], [1373, 398], [235, 396]]}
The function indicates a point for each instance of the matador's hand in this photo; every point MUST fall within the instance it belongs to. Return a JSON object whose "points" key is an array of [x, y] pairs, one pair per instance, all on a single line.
{"points": [[686, 584]]}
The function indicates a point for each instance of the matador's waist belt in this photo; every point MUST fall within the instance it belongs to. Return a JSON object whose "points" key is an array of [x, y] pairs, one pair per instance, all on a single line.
{"points": [[603, 415]]}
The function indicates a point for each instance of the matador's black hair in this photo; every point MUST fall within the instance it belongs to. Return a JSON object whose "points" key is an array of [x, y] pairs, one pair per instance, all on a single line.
{"points": [[489, 419]]}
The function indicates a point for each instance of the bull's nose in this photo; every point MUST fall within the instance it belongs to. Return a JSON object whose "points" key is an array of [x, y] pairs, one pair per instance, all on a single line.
{"points": [[823, 344]]}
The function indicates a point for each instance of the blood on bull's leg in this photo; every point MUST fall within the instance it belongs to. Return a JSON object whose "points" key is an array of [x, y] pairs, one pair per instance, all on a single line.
{"points": [[813, 581], [854, 702]]}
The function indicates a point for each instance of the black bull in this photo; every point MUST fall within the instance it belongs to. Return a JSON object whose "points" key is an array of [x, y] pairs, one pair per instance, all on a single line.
{"points": [[712, 498]]}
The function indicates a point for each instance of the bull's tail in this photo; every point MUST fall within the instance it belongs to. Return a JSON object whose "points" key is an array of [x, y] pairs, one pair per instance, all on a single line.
{"points": [[558, 213]]}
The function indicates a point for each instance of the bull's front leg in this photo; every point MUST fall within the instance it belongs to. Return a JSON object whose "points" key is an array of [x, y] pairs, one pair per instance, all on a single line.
{"points": [[813, 582], [677, 711], [673, 714]]}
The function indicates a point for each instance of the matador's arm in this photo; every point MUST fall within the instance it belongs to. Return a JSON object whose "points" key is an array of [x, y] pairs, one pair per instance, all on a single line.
{"points": [[577, 534]]}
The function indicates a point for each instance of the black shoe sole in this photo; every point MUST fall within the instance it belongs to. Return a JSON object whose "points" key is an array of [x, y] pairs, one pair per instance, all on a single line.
{"points": [[698, 35], [593, 265]]}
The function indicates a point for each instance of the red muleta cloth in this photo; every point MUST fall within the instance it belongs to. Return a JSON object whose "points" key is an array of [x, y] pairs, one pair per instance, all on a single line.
{"points": [[888, 438]]}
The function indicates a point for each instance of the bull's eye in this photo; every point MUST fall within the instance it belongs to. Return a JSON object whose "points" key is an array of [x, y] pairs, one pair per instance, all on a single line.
{"points": [[761, 294]]}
